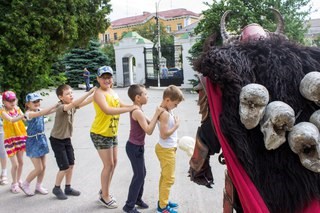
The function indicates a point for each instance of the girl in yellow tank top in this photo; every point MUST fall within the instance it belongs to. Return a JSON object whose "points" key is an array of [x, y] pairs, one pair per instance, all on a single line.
{"points": [[103, 120], [104, 130]]}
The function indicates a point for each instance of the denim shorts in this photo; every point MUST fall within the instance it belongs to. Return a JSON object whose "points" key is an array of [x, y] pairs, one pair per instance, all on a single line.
{"points": [[103, 142]]}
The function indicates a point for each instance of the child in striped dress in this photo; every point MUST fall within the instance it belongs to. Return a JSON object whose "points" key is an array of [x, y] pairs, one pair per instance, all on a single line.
{"points": [[15, 136]]}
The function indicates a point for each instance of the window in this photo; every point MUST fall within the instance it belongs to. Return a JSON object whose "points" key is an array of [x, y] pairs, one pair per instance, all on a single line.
{"points": [[168, 29], [115, 36], [107, 38], [179, 26]]}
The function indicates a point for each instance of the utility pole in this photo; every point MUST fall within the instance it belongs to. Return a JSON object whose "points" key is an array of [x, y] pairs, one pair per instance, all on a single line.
{"points": [[159, 44]]}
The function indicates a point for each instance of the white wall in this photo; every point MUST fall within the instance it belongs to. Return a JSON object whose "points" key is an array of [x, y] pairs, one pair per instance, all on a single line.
{"points": [[188, 71], [128, 47]]}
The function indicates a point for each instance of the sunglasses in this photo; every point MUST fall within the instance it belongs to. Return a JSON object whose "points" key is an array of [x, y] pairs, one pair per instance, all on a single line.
{"points": [[11, 101], [36, 101]]}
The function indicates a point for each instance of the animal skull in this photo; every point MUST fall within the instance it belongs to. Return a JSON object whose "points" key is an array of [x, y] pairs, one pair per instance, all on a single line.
{"points": [[315, 118], [310, 87], [304, 141], [279, 117], [253, 101]]}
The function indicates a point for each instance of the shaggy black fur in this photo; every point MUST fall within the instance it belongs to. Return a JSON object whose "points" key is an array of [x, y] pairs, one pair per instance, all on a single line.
{"points": [[279, 65]]}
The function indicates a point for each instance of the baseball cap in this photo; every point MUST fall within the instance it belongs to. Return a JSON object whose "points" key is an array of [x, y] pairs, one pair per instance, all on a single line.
{"points": [[8, 96], [33, 97], [103, 70]]}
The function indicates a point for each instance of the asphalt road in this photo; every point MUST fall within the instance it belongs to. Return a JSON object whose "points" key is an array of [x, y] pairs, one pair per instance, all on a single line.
{"points": [[86, 178]]}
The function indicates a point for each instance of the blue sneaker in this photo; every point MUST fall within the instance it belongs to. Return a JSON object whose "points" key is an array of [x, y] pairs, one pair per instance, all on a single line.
{"points": [[170, 208], [167, 209], [173, 205]]}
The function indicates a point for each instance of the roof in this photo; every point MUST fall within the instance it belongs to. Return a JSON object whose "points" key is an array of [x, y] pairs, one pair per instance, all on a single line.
{"points": [[177, 13], [140, 39], [131, 20], [140, 19]]}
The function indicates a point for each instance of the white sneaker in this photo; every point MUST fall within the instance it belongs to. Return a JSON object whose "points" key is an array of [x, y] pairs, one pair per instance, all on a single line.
{"points": [[41, 190], [25, 187]]}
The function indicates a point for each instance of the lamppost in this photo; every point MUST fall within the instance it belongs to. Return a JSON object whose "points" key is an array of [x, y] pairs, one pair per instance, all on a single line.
{"points": [[159, 44]]}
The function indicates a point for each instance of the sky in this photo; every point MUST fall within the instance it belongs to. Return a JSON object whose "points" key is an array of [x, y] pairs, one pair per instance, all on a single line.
{"points": [[126, 8]]}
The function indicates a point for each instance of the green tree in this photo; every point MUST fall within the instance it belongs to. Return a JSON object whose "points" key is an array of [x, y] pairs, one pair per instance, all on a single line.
{"points": [[78, 58], [149, 31], [108, 49], [254, 11], [33, 33]]}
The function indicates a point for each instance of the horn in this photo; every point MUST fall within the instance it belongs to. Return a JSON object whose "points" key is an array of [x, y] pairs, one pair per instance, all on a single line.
{"points": [[280, 24], [224, 34]]}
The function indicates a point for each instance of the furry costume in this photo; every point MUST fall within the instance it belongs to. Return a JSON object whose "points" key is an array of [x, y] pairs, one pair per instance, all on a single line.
{"points": [[279, 65]]}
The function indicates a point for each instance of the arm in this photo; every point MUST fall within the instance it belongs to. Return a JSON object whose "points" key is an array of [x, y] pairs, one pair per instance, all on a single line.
{"points": [[165, 132], [78, 101], [6, 116], [100, 99], [124, 105], [148, 127], [87, 101], [42, 112]]}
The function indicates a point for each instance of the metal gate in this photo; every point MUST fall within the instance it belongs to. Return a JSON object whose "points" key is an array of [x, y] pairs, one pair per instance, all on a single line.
{"points": [[174, 63], [126, 74]]}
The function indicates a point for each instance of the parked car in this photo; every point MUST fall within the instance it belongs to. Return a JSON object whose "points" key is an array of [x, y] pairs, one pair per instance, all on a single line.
{"points": [[174, 72]]}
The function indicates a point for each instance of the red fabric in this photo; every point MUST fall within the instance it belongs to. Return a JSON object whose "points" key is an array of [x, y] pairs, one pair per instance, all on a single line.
{"points": [[313, 207], [249, 196]]}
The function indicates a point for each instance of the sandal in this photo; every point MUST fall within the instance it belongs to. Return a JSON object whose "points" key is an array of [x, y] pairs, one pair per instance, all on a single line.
{"points": [[3, 180], [15, 188]]}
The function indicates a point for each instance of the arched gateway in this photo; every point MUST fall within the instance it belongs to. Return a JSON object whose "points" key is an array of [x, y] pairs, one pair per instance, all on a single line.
{"points": [[137, 62]]}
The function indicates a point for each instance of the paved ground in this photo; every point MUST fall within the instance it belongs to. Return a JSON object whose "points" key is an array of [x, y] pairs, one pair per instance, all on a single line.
{"points": [[190, 196]]}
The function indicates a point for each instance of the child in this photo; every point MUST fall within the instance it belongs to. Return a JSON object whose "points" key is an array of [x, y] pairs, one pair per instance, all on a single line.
{"points": [[167, 146], [135, 146], [3, 158], [36, 144], [104, 130], [15, 136], [60, 138]]}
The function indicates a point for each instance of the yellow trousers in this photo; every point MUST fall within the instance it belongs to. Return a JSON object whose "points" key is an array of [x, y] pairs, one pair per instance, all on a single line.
{"points": [[167, 158]]}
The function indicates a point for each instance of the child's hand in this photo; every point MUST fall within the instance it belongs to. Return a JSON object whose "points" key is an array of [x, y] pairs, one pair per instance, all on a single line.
{"points": [[92, 90], [159, 110], [134, 107], [176, 121]]}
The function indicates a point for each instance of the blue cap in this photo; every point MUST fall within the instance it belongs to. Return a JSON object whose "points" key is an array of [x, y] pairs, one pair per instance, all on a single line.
{"points": [[33, 97], [103, 70]]}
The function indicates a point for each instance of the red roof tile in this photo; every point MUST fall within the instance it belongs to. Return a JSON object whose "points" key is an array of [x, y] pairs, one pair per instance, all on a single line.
{"points": [[176, 13], [131, 20], [146, 16]]}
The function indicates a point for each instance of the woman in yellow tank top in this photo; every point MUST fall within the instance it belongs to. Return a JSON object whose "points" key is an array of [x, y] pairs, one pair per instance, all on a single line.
{"points": [[104, 130]]}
